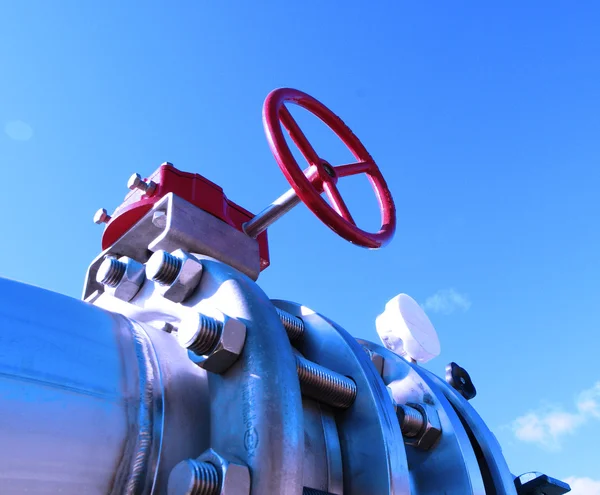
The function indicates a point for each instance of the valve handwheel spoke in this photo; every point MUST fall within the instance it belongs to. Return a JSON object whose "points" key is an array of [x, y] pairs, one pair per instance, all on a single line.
{"points": [[353, 169], [320, 177], [298, 136], [337, 202]]}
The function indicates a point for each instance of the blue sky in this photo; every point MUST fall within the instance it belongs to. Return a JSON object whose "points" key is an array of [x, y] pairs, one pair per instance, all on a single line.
{"points": [[484, 119]]}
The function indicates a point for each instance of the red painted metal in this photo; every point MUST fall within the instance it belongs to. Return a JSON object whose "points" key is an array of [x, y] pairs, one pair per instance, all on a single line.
{"points": [[320, 177], [193, 188]]}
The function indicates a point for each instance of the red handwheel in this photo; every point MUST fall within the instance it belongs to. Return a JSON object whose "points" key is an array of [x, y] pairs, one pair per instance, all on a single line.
{"points": [[320, 176]]}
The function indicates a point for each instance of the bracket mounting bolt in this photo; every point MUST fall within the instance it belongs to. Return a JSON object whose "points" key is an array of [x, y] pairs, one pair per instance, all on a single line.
{"points": [[101, 216], [136, 182]]}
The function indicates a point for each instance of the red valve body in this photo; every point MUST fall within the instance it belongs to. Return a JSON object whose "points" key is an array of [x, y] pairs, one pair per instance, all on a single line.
{"points": [[195, 189]]}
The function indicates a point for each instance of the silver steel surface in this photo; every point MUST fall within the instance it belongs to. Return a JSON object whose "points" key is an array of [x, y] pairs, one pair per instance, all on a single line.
{"points": [[373, 455], [123, 404], [194, 230], [271, 213], [452, 465], [187, 228], [322, 453], [497, 473], [256, 405], [79, 397], [99, 403]]}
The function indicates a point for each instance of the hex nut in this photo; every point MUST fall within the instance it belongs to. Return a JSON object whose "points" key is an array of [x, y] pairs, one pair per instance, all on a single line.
{"points": [[187, 279], [130, 283], [228, 349], [432, 431], [159, 219], [233, 477]]}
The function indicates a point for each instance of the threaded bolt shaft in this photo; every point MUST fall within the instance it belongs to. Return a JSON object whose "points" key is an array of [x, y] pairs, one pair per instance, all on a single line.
{"points": [[411, 420], [111, 271], [191, 477], [293, 325], [206, 337], [325, 385], [163, 267]]}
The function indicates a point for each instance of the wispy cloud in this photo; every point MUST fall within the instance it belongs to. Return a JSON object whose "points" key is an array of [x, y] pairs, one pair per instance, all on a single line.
{"points": [[18, 130], [547, 427], [583, 486], [447, 301]]}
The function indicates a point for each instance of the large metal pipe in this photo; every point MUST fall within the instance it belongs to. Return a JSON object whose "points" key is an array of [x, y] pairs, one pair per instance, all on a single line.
{"points": [[82, 398]]}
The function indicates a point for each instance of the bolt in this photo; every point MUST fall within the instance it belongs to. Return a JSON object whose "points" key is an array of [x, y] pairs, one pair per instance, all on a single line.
{"points": [[412, 421], [191, 477], [205, 336], [136, 182], [111, 271], [293, 325], [101, 216], [163, 267], [324, 385]]}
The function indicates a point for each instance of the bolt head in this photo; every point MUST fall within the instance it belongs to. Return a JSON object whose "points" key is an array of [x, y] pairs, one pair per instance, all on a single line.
{"points": [[101, 216], [134, 182]]}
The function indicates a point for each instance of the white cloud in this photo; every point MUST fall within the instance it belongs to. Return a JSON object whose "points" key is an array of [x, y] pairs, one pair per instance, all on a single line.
{"points": [[547, 427], [447, 301], [588, 402], [18, 130], [583, 486]]}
